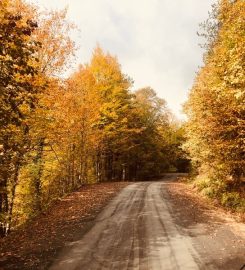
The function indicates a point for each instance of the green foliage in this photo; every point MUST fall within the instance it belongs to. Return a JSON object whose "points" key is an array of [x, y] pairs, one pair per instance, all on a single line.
{"points": [[208, 187], [233, 200], [202, 183], [220, 191]]}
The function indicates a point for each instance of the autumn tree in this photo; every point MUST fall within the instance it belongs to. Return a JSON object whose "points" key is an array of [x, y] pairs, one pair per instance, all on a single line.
{"points": [[113, 90], [31, 59], [216, 107], [55, 57], [17, 99], [150, 154], [115, 133]]}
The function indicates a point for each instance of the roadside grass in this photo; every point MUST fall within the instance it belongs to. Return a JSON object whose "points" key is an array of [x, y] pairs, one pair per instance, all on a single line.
{"points": [[221, 193]]}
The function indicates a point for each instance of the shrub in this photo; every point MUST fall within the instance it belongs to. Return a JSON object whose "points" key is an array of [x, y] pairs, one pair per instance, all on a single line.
{"points": [[210, 192], [233, 200], [202, 183]]}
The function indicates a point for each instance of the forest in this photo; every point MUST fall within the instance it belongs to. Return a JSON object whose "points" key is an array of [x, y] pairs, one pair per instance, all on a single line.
{"points": [[58, 133]]}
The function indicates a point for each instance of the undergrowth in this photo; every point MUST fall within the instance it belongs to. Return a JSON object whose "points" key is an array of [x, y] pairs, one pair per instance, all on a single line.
{"points": [[227, 195]]}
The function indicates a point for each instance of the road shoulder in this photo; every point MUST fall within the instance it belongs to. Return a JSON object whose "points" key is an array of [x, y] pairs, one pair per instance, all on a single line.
{"points": [[217, 235], [67, 220]]}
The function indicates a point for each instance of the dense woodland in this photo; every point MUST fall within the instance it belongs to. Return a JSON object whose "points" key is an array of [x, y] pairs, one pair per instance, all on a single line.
{"points": [[58, 134], [216, 107]]}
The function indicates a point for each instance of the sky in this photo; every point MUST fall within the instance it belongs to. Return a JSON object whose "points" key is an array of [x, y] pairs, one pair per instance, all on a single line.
{"points": [[155, 41]]}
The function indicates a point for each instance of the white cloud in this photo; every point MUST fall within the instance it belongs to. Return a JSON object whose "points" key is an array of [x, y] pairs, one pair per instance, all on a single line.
{"points": [[155, 40]]}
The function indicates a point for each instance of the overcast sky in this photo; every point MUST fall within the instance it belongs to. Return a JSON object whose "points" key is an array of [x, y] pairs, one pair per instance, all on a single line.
{"points": [[155, 40]]}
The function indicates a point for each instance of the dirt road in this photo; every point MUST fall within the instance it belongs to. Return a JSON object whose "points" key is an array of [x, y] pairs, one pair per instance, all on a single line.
{"points": [[139, 230]]}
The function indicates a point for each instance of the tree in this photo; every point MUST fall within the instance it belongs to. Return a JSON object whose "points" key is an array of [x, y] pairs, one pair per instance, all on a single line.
{"points": [[215, 130], [54, 56], [149, 154], [112, 87], [31, 59], [17, 99]]}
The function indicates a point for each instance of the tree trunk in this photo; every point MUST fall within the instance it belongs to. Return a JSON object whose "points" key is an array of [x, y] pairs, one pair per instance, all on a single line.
{"points": [[3, 210], [11, 203], [37, 176]]}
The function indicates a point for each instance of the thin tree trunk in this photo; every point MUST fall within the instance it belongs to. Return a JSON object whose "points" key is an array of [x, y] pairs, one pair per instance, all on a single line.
{"points": [[3, 211], [37, 177], [11, 203]]}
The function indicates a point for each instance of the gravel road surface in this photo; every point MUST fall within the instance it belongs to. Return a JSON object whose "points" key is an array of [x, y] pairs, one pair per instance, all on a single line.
{"points": [[138, 230]]}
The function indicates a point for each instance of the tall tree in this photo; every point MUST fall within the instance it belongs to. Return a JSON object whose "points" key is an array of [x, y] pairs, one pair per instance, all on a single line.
{"points": [[113, 90], [17, 98], [216, 106]]}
